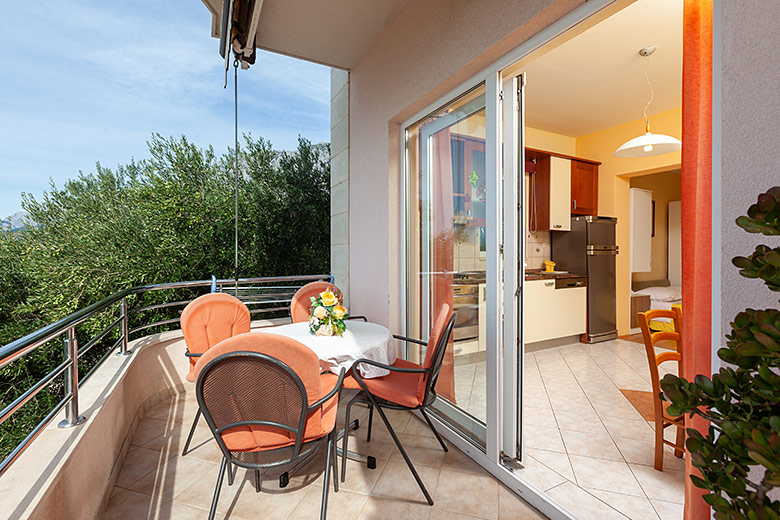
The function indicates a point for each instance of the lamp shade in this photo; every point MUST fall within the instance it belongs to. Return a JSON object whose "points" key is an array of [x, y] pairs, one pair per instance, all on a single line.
{"points": [[647, 145]]}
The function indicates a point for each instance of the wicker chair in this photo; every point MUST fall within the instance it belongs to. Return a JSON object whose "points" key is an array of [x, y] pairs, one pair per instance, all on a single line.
{"points": [[268, 406]]}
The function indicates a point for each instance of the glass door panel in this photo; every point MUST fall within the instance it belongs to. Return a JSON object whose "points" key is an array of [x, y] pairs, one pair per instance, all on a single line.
{"points": [[447, 248]]}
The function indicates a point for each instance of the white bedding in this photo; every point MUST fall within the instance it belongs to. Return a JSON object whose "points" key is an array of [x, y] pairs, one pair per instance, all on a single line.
{"points": [[662, 298]]}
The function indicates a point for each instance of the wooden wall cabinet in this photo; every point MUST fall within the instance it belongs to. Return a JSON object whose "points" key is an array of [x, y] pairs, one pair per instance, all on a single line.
{"points": [[562, 186], [584, 188], [551, 193]]}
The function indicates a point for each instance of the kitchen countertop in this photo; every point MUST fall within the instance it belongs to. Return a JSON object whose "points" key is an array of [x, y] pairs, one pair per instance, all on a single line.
{"points": [[538, 274]]}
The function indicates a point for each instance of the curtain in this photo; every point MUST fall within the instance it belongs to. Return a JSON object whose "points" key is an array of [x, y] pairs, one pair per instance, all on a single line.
{"points": [[697, 214], [443, 249]]}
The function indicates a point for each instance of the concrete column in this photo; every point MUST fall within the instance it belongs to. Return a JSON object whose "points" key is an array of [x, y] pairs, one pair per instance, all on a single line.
{"points": [[339, 180]]}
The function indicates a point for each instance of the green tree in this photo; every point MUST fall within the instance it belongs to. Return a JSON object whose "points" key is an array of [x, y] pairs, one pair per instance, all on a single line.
{"points": [[163, 219]]}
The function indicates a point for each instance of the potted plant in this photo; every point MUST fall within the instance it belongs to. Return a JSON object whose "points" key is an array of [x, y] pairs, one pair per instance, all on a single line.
{"points": [[739, 457]]}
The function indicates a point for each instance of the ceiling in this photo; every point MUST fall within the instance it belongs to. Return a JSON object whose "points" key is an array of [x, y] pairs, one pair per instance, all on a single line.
{"points": [[332, 32], [596, 79]]}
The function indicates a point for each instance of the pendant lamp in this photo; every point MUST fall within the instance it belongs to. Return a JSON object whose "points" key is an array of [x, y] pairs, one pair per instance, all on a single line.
{"points": [[649, 143]]}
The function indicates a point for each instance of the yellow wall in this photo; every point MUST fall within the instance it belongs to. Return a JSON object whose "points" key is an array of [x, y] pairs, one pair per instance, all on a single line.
{"points": [[666, 188], [550, 142], [614, 174]]}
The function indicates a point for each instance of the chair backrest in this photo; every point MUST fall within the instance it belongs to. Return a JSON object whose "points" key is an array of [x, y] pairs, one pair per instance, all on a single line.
{"points": [[211, 318], [434, 352], [652, 339], [300, 305], [255, 390]]}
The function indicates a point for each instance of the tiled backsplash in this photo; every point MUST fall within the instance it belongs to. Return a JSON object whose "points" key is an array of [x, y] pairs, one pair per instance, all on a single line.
{"points": [[537, 249]]}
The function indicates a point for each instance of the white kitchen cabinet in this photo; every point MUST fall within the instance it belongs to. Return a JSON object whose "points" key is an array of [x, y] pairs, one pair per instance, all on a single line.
{"points": [[551, 313], [560, 194]]}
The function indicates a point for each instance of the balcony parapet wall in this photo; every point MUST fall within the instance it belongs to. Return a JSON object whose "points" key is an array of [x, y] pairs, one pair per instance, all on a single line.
{"points": [[69, 473]]}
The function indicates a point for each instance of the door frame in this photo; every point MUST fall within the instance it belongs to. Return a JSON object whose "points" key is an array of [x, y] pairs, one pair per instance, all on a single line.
{"points": [[491, 460]]}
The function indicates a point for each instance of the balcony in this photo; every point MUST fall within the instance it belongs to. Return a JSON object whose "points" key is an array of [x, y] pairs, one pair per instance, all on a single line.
{"points": [[123, 460]]}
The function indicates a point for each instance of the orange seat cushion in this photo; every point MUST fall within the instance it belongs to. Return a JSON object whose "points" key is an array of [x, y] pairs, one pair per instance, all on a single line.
{"points": [[397, 387]]}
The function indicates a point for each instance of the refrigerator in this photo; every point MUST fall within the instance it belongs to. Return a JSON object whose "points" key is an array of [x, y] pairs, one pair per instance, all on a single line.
{"points": [[589, 249]]}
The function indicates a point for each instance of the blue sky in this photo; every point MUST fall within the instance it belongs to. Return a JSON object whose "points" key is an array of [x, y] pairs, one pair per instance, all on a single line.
{"points": [[86, 82]]}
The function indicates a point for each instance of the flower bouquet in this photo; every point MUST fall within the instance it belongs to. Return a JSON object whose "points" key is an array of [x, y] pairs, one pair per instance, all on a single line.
{"points": [[327, 317]]}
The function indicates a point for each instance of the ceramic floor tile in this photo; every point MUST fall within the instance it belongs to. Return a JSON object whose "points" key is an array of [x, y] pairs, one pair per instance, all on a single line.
{"points": [[597, 445], [636, 508], [377, 507], [629, 427], [174, 476], [582, 504], [512, 507], [540, 475], [470, 494], [606, 475], [558, 462], [542, 438], [129, 504], [642, 451], [397, 482], [668, 510], [584, 420], [666, 485], [539, 417], [148, 429], [456, 460], [139, 462], [343, 505]]}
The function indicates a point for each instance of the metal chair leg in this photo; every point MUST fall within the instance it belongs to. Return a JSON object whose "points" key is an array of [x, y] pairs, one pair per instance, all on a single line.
{"points": [[214, 501], [344, 441], [335, 460], [231, 474], [326, 483], [402, 450], [370, 422], [257, 481], [430, 424], [192, 430]]}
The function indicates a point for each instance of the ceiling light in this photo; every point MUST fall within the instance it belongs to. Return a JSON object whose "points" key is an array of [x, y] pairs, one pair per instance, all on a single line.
{"points": [[649, 143]]}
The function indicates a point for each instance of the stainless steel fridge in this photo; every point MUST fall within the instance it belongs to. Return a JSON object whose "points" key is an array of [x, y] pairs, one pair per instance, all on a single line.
{"points": [[589, 248]]}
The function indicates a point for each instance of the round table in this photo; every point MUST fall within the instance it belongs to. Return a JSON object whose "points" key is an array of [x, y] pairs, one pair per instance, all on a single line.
{"points": [[360, 340]]}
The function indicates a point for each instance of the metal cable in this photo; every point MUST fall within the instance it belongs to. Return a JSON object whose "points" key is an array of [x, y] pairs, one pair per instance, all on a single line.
{"points": [[235, 162], [650, 85]]}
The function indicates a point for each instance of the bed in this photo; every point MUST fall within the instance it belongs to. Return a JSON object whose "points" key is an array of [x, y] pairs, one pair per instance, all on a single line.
{"points": [[662, 295]]}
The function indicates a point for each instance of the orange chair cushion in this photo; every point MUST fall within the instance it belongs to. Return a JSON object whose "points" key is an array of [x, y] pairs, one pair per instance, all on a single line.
{"points": [[300, 305], [397, 387], [209, 319], [304, 362], [436, 334]]}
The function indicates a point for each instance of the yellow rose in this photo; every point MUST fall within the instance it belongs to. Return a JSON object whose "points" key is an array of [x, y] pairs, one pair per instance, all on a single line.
{"points": [[328, 298], [339, 312], [320, 312]]}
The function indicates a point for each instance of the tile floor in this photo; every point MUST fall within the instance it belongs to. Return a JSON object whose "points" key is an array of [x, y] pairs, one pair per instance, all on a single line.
{"points": [[156, 482], [585, 444]]}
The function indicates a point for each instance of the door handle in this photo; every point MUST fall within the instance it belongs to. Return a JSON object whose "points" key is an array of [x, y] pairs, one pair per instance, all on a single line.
{"points": [[549, 284], [557, 225], [574, 201]]}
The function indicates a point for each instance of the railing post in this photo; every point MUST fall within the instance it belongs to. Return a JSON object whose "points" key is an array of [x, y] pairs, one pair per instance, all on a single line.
{"points": [[72, 417], [124, 329]]}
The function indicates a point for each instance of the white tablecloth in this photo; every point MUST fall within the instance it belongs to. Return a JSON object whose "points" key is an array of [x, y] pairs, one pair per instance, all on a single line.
{"points": [[360, 340]]}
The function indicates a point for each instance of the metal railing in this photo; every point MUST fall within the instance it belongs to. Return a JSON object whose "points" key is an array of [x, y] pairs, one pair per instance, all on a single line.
{"points": [[264, 295]]}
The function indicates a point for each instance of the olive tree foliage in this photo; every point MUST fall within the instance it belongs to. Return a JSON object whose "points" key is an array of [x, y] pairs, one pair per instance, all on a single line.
{"points": [[163, 219]]}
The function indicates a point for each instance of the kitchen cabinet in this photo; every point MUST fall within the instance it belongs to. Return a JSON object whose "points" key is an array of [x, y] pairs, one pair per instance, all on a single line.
{"points": [[551, 312], [584, 188], [551, 194], [560, 186]]}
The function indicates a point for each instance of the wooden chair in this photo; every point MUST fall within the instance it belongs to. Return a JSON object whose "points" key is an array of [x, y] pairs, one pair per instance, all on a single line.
{"points": [[268, 406], [408, 386], [206, 321], [662, 419]]}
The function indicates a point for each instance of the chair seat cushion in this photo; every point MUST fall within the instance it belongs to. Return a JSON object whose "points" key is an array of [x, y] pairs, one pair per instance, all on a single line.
{"points": [[190, 376], [397, 387], [260, 438]]}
